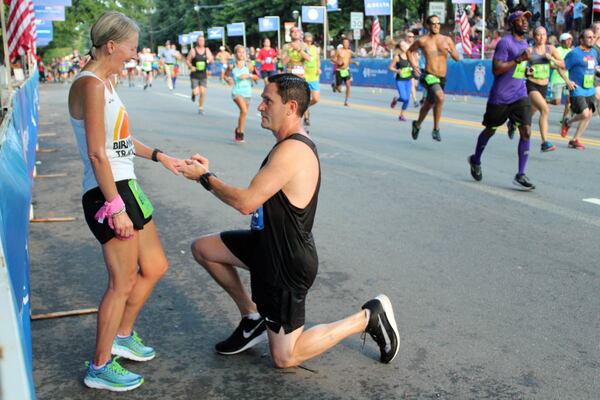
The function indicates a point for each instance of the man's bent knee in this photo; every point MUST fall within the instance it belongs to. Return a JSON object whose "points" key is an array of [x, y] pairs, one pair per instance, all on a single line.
{"points": [[283, 361]]}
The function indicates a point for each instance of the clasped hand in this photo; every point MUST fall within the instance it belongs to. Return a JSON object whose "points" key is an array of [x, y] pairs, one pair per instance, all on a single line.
{"points": [[194, 168]]}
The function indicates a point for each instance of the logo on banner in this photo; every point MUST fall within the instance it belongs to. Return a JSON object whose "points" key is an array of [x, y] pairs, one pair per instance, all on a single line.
{"points": [[479, 76]]}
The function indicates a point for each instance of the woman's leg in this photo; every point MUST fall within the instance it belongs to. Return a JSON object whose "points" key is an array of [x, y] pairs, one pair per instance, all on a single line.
{"points": [[239, 101], [121, 262], [153, 265]]}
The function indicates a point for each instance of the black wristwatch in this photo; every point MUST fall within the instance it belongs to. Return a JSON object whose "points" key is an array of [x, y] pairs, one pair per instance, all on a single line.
{"points": [[203, 180], [155, 154]]}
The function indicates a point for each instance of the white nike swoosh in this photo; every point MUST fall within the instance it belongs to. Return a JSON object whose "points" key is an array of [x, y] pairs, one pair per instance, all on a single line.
{"points": [[388, 344], [250, 332]]}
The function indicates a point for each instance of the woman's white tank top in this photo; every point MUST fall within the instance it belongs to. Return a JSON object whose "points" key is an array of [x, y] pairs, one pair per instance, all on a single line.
{"points": [[119, 143]]}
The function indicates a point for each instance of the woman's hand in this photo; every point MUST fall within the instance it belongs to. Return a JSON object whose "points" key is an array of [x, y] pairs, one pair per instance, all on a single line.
{"points": [[170, 163], [123, 226]]}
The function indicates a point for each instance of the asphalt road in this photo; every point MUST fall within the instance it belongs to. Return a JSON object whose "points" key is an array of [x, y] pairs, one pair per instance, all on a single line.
{"points": [[495, 290]]}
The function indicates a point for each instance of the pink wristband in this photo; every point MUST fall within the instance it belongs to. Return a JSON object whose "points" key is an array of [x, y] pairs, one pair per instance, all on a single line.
{"points": [[108, 209]]}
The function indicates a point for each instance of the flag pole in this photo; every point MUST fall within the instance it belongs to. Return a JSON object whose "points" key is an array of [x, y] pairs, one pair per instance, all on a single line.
{"points": [[483, 33], [325, 34], [391, 26], [5, 44]]}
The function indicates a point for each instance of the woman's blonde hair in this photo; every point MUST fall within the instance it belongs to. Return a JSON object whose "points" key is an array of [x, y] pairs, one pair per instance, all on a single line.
{"points": [[111, 25]]}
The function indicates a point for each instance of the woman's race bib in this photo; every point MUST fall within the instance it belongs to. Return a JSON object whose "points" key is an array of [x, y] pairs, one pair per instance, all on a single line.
{"points": [[406, 72], [541, 71], [268, 60], [298, 69], [141, 198]]}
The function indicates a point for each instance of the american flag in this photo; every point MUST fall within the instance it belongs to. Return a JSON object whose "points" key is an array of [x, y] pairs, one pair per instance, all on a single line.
{"points": [[465, 31], [20, 31], [375, 32], [596, 6]]}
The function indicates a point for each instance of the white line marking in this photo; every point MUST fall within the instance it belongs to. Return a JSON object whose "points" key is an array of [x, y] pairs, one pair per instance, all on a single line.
{"points": [[181, 95], [593, 201]]}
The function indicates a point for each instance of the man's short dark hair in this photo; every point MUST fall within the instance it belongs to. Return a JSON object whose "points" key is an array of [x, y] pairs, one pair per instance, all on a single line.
{"points": [[292, 87], [428, 20]]}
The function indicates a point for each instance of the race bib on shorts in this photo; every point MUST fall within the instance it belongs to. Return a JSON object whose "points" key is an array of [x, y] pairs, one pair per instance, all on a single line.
{"points": [[344, 73], [200, 65], [298, 70], [141, 198], [431, 79], [520, 69]]}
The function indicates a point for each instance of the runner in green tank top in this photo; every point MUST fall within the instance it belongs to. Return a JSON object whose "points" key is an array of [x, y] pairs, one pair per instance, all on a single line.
{"points": [[312, 74]]}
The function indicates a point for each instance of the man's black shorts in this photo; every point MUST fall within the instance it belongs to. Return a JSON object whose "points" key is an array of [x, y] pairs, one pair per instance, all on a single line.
{"points": [[518, 112], [281, 306], [580, 103], [93, 200]]}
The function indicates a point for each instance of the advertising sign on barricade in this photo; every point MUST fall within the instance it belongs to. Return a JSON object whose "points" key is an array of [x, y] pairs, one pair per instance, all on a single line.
{"points": [[49, 13], [378, 7], [313, 14], [18, 140], [465, 77]]}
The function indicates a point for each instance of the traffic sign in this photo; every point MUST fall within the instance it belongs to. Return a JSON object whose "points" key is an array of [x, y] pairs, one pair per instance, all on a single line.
{"points": [[356, 20]]}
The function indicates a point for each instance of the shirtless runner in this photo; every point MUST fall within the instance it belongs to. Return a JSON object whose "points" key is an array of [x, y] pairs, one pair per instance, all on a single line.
{"points": [[343, 59], [435, 47]]}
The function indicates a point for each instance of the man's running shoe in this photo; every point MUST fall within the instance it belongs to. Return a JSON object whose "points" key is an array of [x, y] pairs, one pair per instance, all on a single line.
{"points": [[333, 88], [416, 104], [201, 111], [402, 118], [111, 377], [132, 348], [249, 333], [239, 136], [547, 146], [193, 97], [382, 327], [435, 134], [415, 130], [523, 182], [394, 102], [564, 129], [511, 129], [345, 103], [575, 144], [475, 169]]}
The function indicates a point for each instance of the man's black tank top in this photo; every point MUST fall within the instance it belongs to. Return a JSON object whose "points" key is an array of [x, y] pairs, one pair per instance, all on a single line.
{"points": [[287, 235], [199, 62]]}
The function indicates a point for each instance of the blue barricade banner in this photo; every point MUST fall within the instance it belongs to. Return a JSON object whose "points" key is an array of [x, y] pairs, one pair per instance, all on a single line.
{"points": [[17, 161], [466, 77]]}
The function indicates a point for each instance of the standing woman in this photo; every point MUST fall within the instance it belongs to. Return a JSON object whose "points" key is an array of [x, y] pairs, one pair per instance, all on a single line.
{"points": [[241, 79], [404, 75], [538, 76], [116, 210]]}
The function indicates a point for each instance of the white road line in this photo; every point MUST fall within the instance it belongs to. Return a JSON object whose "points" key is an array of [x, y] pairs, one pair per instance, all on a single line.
{"points": [[181, 95], [593, 201]]}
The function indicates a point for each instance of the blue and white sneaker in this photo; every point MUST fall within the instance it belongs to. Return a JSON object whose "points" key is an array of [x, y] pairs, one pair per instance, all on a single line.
{"points": [[111, 377], [132, 348]]}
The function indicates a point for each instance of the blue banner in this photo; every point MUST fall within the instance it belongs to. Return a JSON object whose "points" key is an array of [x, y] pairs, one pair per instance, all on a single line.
{"points": [[236, 29], [17, 160], [332, 5], [268, 24], [184, 39], [378, 7], [49, 13], [465, 77], [215, 33], [63, 3], [313, 14]]}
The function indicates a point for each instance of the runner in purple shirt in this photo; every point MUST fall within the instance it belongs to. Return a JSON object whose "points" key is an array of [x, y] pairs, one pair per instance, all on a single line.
{"points": [[508, 97]]}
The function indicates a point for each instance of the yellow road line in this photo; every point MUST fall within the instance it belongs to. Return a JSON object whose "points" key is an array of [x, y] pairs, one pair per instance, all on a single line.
{"points": [[454, 121]]}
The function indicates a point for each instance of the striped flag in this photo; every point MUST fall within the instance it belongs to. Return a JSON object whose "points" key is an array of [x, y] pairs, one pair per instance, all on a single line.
{"points": [[465, 31], [20, 30], [596, 6], [375, 32]]}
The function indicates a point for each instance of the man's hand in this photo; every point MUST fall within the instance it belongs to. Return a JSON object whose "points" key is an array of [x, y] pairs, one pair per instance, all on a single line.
{"points": [[571, 85], [170, 163], [192, 169], [524, 56]]}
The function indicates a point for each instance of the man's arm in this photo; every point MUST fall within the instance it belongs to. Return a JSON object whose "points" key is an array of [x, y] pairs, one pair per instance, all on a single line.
{"points": [[412, 59], [452, 50], [282, 166]]}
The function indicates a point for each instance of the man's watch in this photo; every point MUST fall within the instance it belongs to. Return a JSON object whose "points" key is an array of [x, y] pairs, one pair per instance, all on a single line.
{"points": [[203, 180]]}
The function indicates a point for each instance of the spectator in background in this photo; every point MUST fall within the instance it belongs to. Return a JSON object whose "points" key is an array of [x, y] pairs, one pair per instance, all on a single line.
{"points": [[568, 15], [578, 8], [496, 38], [560, 18], [501, 10]]}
